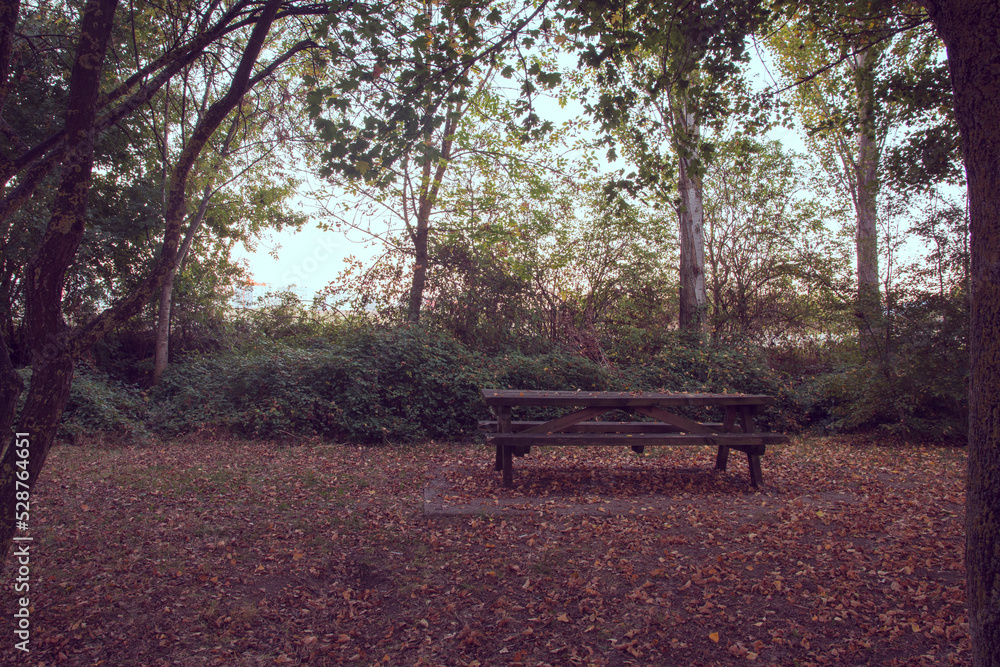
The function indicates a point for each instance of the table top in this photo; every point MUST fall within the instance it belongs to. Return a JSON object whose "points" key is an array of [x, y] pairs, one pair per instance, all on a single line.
{"points": [[615, 399]]}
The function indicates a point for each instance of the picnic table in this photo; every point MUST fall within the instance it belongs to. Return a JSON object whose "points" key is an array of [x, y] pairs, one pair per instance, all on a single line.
{"points": [[579, 428]]}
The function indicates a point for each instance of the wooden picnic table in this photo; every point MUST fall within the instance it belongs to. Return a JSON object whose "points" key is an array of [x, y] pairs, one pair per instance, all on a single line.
{"points": [[515, 438]]}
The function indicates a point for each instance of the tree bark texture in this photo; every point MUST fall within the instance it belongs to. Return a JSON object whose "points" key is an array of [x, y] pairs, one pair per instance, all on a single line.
{"points": [[866, 181], [11, 387], [53, 357], [430, 185], [691, 216], [970, 30]]}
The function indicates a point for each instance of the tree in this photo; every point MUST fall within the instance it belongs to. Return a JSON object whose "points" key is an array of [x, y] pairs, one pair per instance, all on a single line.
{"points": [[55, 344], [770, 259], [839, 69], [247, 154], [970, 31], [415, 146], [664, 71]]}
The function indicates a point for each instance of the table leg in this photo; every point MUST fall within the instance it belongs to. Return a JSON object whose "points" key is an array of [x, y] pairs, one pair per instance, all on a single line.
{"points": [[503, 426], [508, 465], [754, 453], [756, 478], [722, 458]]}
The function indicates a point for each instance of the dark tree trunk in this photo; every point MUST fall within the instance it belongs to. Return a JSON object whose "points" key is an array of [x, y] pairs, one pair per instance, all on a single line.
{"points": [[53, 358], [54, 348], [419, 235], [971, 31], [11, 387], [430, 184]]}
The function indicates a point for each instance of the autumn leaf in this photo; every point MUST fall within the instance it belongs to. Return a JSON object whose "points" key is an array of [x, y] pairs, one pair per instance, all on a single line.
{"points": [[372, 579]]}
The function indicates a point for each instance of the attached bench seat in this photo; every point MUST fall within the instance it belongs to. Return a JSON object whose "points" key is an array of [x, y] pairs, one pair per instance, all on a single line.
{"points": [[490, 426]]}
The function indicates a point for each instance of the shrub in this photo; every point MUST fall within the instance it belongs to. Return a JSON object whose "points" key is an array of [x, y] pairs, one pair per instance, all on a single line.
{"points": [[911, 383], [687, 365], [99, 404], [555, 371], [372, 385]]}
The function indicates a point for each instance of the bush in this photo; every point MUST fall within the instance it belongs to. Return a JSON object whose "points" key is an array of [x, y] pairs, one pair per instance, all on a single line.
{"points": [[99, 404], [372, 385], [553, 371], [912, 383], [556, 371], [687, 365]]}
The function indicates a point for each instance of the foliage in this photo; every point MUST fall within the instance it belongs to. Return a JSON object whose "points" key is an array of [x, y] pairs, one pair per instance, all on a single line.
{"points": [[919, 388], [102, 405], [555, 371], [371, 385], [684, 363], [770, 255]]}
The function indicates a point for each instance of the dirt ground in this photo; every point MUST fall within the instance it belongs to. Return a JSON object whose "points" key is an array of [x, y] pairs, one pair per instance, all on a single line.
{"points": [[219, 552]]}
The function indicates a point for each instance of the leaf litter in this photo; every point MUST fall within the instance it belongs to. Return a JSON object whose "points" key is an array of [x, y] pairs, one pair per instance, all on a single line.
{"points": [[241, 553]]}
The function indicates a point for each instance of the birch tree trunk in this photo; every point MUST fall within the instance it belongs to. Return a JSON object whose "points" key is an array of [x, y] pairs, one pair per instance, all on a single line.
{"points": [[866, 182], [691, 217]]}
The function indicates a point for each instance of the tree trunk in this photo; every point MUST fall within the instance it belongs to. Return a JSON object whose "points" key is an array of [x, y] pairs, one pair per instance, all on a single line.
{"points": [[420, 235], [866, 180], [53, 357], [162, 349], [693, 298], [55, 349], [969, 29], [11, 387]]}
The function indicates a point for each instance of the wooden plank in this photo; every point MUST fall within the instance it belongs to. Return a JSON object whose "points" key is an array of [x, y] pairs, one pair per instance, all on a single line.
{"points": [[734, 440], [615, 399], [599, 427], [683, 423], [747, 418], [557, 425], [503, 426], [730, 419], [721, 457]]}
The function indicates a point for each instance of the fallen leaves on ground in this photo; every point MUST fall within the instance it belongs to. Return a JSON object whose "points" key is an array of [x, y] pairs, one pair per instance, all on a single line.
{"points": [[235, 553]]}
